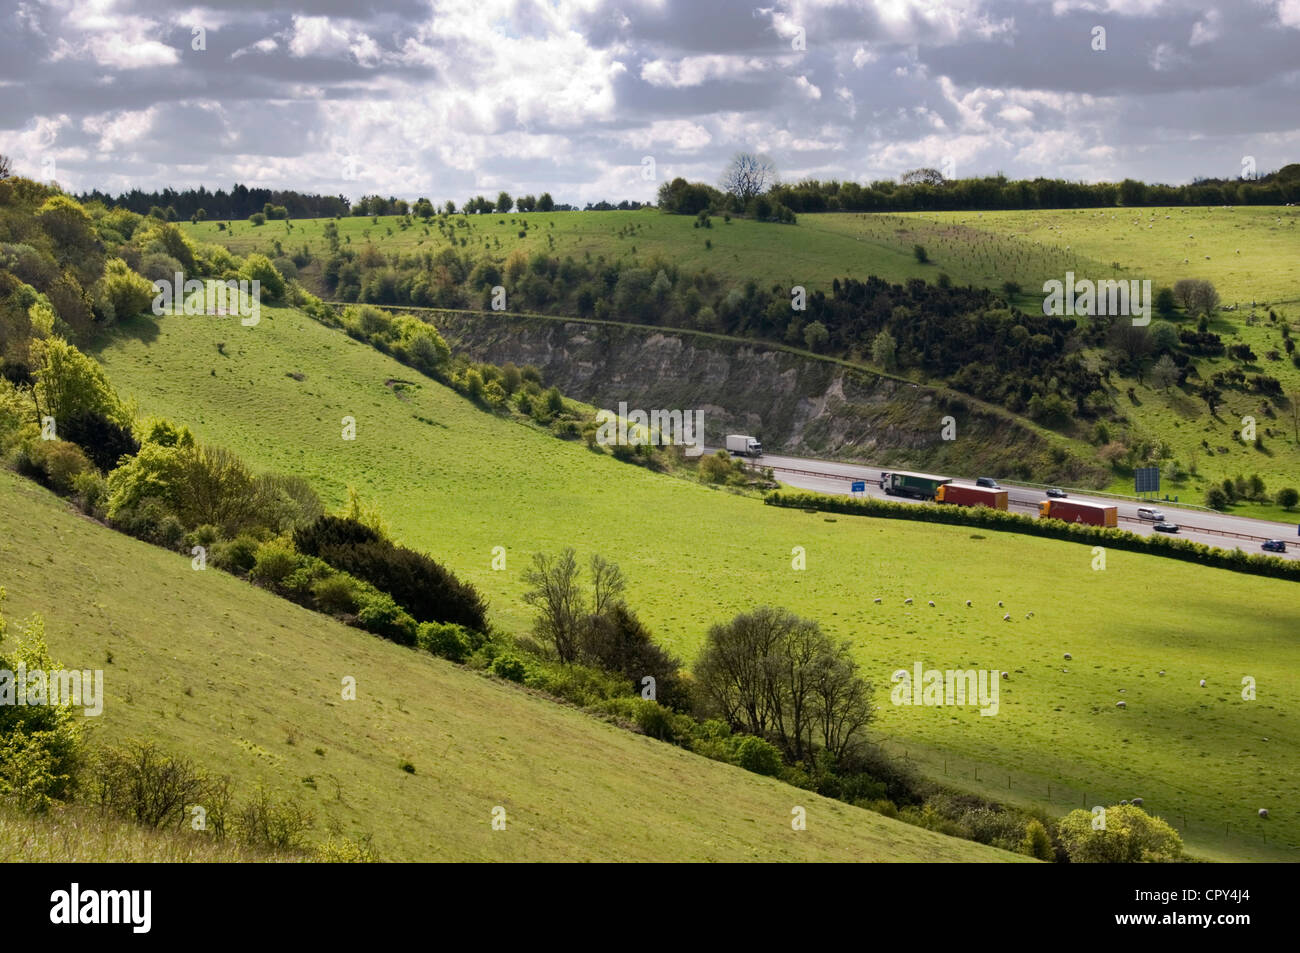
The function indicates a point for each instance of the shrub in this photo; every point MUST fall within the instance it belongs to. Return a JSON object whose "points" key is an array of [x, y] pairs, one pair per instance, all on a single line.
{"points": [[761, 757], [384, 617], [53, 463], [275, 560], [1130, 836], [1036, 842], [272, 823], [1288, 497], [40, 745], [141, 783], [444, 640], [509, 666], [237, 555], [426, 589], [338, 594], [91, 491]]}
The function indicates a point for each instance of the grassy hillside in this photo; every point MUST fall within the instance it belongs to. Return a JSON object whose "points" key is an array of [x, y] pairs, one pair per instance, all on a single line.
{"points": [[458, 482], [1250, 253], [249, 684]]}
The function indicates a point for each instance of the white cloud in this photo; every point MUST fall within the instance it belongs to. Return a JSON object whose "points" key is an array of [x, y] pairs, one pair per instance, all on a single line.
{"points": [[806, 88], [695, 70], [1288, 12], [121, 128], [1207, 29]]}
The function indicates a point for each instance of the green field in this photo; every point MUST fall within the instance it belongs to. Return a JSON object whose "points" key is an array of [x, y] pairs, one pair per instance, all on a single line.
{"points": [[460, 482], [248, 684]]}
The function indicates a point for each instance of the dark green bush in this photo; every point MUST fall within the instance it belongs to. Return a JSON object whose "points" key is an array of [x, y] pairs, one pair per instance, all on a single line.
{"points": [[384, 617], [509, 666], [761, 757]]}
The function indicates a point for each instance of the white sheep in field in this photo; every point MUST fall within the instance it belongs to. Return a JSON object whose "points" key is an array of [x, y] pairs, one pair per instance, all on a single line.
{"points": [[1202, 683], [1007, 617], [931, 603], [1121, 704], [1162, 672], [1263, 812], [1068, 656], [876, 600], [1136, 802], [999, 603], [1006, 675], [967, 603], [907, 601]]}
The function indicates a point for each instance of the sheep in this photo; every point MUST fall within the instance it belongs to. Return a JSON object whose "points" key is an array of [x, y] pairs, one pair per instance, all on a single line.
{"points": [[1162, 672], [1121, 704], [1263, 812], [967, 603], [876, 600], [1029, 615], [999, 603], [1185, 261], [1068, 656], [1123, 801], [1136, 802], [931, 603], [907, 601], [1202, 683], [1007, 617], [1006, 676]]}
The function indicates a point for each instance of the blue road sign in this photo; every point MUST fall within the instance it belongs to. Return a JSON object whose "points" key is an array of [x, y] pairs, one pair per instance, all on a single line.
{"points": [[859, 486]]}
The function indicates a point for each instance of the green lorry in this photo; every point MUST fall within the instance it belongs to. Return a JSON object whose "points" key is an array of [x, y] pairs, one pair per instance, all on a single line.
{"points": [[921, 486]]}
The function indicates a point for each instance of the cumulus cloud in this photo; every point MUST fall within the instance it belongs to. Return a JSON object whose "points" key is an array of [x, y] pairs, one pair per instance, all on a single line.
{"points": [[451, 97]]}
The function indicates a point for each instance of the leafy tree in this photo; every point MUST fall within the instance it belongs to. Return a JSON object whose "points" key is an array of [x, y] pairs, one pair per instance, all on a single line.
{"points": [[545, 203], [1165, 302], [125, 291], [815, 335], [1216, 498], [884, 350], [504, 202], [920, 254], [1288, 497], [68, 382]]}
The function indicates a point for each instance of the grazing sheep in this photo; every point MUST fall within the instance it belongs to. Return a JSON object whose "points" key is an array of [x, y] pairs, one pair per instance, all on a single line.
{"points": [[931, 603], [1123, 801], [1068, 656], [1185, 261], [1006, 675], [1121, 704], [967, 603], [1007, 617], [1136, 802], [1202, 683], [1263, 812], [907, 601], [1162, 671], [877, 602], [999, 603]]}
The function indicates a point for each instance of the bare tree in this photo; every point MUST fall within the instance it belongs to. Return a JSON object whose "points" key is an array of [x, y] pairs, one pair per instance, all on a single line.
{"points": [[748, 175], [1294, 397], [553, 589], [6, 166], [607, 585]]}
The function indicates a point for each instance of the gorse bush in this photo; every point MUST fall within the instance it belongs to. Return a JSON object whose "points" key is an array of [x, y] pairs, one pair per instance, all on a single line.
{"points": [[40, 745]]}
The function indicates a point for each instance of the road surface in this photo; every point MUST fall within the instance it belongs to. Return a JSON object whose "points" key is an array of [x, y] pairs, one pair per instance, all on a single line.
{"points": [[1214, 529]]}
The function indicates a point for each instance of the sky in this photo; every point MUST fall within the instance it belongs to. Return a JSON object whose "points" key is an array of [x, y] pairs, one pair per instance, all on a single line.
{"points": [[592, 100]]}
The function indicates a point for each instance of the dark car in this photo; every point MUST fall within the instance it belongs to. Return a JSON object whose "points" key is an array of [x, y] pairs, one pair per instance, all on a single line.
{"points": [[1274, 545], [1057, 493], [988, 482], [1163, 527]]}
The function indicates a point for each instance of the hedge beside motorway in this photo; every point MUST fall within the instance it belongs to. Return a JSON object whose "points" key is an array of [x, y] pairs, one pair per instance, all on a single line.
{"points": [[981, 516]]}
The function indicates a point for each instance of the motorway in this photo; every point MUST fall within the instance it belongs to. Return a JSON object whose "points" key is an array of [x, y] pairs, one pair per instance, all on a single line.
{"points": [[1213, 529]]}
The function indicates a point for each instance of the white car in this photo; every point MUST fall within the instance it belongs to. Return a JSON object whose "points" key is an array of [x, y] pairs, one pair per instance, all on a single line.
{"points": [[1147, 513]]}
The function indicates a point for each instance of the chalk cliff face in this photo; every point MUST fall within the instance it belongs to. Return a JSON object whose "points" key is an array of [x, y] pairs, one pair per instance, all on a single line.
{"points": [[795, 405]]}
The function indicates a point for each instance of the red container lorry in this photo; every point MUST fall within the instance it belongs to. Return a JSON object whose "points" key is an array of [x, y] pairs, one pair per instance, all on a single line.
{"points": [[962, 495], [1073, 511]]}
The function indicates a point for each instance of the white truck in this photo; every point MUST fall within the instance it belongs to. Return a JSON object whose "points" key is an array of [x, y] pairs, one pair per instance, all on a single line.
{"points": [[739, 443]]}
